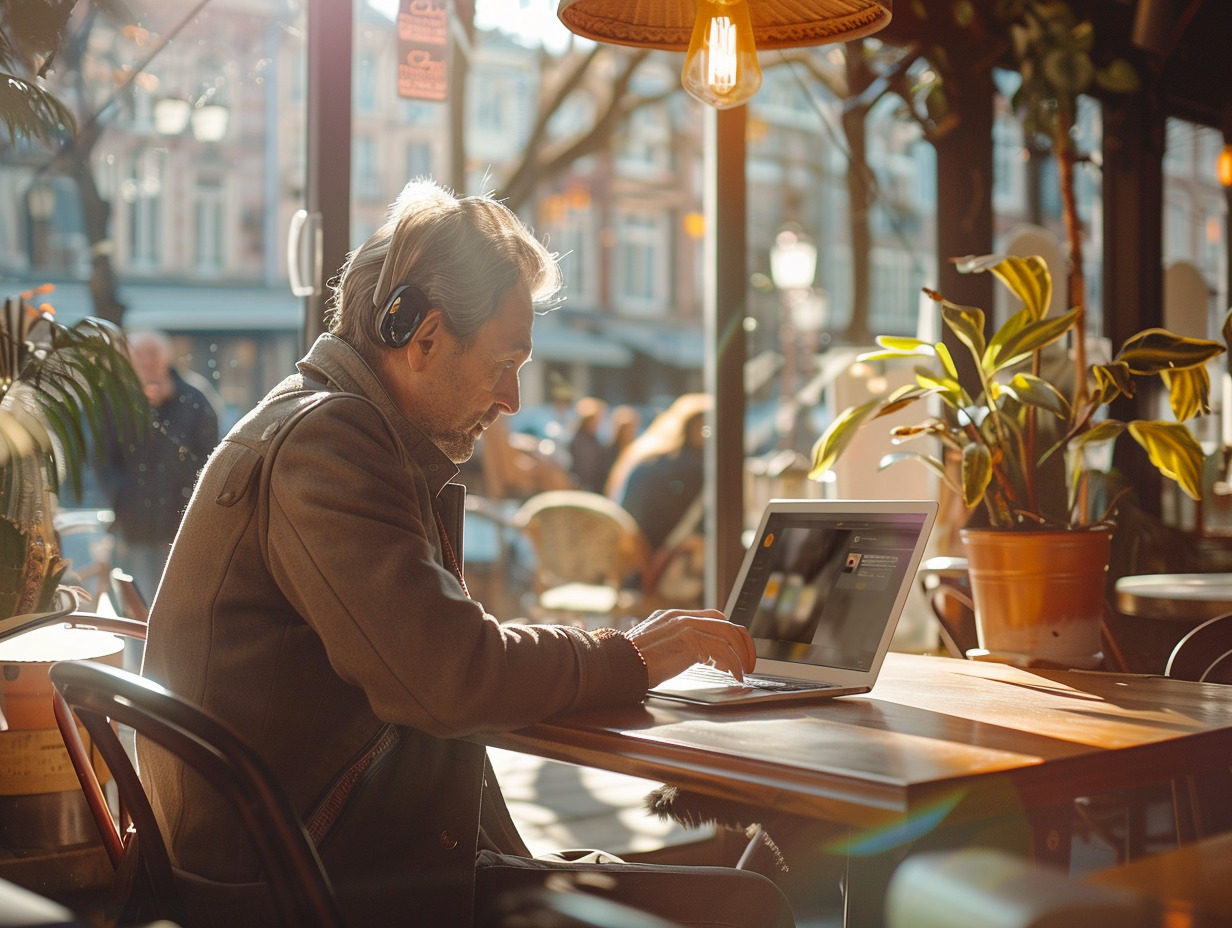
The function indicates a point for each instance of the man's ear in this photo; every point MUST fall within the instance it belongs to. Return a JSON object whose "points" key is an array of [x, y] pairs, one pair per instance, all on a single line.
{"points": [[428, 341]]}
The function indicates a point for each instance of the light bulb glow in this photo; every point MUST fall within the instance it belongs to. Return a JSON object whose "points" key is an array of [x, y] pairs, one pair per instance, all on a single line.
{"points": [[721, 73], [1223, 167], [721, 67]]}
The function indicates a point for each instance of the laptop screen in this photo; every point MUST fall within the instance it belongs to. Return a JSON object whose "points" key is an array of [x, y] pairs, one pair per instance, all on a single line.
{"points": [[820, 587]]}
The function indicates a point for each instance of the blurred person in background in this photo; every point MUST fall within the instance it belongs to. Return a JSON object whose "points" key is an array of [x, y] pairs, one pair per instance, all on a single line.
{"points": [[623, 425], [658, 478], [587, 452], [149, 480]]}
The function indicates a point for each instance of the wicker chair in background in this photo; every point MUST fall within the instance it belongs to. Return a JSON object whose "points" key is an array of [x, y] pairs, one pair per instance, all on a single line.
{"points": [[591, 558]]}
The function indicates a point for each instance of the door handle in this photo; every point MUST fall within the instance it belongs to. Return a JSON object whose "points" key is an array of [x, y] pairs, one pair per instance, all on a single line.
{"points": [[305, 228]]}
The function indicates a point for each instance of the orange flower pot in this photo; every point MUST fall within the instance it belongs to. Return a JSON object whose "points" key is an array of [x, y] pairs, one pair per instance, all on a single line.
{"points": [[1039, 595]]}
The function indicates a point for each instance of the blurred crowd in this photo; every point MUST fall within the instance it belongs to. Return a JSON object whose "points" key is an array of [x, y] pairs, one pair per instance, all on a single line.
{"points": [[654, 472]]}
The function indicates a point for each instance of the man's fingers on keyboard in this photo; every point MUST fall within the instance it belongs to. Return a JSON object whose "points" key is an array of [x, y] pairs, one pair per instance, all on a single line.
{"points": [[730, 656]]}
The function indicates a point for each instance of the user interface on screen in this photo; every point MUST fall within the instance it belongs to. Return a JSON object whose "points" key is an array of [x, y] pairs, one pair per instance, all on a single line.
{"points": [[820, 589]]}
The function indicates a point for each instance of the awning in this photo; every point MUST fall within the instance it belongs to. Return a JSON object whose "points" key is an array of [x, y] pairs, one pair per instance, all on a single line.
{"points": [[682, 348], [203, 308], [187, 308], [554, 342]]}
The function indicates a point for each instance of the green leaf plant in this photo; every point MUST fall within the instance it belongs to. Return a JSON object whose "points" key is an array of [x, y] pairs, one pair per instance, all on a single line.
{"points": [[1020, 440], [63, 389]]}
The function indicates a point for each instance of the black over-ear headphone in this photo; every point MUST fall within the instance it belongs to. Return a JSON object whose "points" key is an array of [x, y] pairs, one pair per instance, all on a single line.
{"points": [[403, 312]]}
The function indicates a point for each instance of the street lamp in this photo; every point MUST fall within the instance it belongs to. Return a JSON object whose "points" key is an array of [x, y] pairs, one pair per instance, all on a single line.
{"points": [[793, 265], [793, 261], [172, 115], [209, 122]]}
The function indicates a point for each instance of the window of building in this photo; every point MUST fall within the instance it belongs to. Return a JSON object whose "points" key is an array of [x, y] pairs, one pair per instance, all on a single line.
{"points": [[647, 141], [142, 192], [209, 225], [641, 264], [1009, 165], [418, 160], [575, 243]]}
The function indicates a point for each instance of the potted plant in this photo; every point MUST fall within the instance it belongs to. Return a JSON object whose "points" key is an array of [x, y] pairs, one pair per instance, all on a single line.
{"points": [[62, 389], [1022, 443]]}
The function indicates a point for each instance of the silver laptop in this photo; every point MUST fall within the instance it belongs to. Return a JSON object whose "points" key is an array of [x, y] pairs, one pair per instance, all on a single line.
{"points": [[820, 590]]}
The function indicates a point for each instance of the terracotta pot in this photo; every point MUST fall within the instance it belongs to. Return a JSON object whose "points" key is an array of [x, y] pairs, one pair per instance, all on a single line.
{"points": [[1039, 596]]}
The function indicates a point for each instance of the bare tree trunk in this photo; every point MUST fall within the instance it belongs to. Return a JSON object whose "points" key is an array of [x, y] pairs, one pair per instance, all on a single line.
{"points": [[96, 214]]}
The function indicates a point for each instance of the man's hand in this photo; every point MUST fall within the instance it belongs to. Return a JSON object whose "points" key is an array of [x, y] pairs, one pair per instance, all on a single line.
{"points": [[673, 639]]}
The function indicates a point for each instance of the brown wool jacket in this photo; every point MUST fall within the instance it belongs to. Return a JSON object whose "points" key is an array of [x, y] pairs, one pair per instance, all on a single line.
{"points": [[308, 602]]}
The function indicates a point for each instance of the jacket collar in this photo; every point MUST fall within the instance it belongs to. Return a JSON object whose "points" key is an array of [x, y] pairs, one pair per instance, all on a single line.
{"points": [[331, 360]]}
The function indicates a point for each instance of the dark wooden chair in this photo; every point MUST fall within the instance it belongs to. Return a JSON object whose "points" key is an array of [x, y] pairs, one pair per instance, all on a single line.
{"points": [[101, 697]]}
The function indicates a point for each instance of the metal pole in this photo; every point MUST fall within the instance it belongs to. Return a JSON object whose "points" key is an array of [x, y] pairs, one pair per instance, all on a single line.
{"points": [[725, 289], [328, 190]]}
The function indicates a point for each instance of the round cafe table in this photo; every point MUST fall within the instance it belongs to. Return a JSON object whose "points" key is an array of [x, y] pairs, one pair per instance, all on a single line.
{"points": [[1155, 611], [1189, 598]]}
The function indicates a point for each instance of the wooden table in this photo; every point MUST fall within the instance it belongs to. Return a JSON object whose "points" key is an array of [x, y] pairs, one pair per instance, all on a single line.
{"points": [[942, 752]]}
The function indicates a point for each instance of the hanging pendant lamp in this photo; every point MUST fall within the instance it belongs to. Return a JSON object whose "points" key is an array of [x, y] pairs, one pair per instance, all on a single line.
{"points": [[722, 36], [776, 23]]}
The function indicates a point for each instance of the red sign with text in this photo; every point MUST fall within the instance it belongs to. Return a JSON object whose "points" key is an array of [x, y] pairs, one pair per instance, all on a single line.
{"points": [[423, 39]]}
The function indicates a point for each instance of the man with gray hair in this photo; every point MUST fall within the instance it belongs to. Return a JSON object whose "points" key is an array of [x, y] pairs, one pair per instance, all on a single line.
{"points": [[150, 479], [315, 600]]}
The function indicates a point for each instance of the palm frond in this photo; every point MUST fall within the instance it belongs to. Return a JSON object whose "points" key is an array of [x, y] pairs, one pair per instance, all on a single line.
{"points": [[68, 387], [30, 33], [28, 111]]}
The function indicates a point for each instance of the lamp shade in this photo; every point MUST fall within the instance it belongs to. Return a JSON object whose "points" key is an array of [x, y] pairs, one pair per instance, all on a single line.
{"points": [[668, 24]]}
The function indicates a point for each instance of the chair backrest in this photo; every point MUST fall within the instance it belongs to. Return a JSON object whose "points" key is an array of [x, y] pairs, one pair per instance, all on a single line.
{"points": [[111, 829], [945, 583], [100, 695], [1205, 653], [581, 537], [131, 601]]}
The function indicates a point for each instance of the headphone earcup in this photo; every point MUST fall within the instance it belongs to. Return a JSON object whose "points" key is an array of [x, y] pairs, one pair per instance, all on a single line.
{"points": [[401, 316]]}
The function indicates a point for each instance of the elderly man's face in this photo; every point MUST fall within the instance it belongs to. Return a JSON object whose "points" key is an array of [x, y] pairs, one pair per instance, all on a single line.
{"points": [[153, 369], [476, 384]]}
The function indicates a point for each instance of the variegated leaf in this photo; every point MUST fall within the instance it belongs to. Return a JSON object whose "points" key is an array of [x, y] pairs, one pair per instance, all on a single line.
{"points": [[967, 323], [1189, 392], [905, 344], [1154, 350], [1029, 280], [976, 473], [1027, 339], [1113, 380], [837, 437], [1035, 391], [1174, 451]]}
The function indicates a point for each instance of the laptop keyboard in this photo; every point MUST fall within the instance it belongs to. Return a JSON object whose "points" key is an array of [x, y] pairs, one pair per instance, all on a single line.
{"points": [[706, 675]]}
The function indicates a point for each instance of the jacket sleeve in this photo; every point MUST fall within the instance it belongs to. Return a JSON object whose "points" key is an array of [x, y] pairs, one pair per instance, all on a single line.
{"points": [[353, 544]]}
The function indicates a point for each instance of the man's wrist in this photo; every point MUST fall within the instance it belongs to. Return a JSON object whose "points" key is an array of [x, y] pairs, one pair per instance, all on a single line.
{"points": [[605, 634]]}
